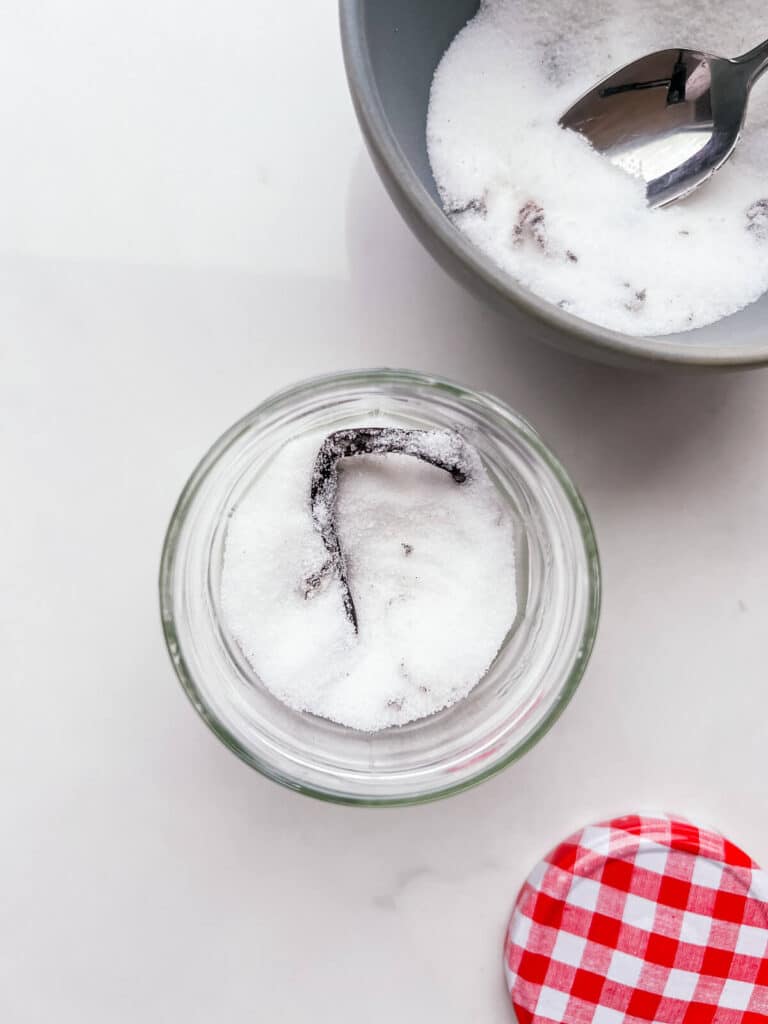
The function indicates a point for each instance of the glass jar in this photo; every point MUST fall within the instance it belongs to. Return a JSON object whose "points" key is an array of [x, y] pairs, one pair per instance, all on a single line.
{"points": [[531, 679]]}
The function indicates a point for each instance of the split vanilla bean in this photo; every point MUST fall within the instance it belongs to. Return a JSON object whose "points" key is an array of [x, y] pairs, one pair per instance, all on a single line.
{"points": [[443, 449]]}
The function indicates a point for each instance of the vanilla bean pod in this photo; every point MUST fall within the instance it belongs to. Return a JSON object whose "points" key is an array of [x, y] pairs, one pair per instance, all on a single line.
{"points": [[443, 449]]}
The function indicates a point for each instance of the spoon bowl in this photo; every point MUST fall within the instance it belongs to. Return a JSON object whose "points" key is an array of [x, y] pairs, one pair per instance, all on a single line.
{"points": [[672, 118]]}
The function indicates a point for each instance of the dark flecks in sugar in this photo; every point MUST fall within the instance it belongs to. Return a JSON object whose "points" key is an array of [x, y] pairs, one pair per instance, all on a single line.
{"points": [[757, 219], [637, 301], [530, 225], [314, 583], [477, 205]]}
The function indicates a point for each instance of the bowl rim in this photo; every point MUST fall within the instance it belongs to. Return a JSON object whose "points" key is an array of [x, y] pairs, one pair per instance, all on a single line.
{"points": [[410, 191], [383, 376]]}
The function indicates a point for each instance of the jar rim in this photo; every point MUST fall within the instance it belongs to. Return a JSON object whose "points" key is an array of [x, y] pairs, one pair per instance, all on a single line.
{"points": [[386, 380]]}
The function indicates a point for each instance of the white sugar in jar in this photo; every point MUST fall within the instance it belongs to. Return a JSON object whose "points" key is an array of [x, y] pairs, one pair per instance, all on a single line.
{"points": [[430, 562]]}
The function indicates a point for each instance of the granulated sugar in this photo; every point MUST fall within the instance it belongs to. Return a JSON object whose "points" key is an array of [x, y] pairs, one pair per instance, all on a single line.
{"points": [[431, 566], [558, 216]]}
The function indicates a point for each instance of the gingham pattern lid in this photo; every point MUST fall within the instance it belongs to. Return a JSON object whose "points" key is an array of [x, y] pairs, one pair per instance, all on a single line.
{"points": [[641, 919]]}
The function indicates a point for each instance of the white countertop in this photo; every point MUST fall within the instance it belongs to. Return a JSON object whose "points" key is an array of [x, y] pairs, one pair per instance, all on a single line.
{"points": [[189, 221]]}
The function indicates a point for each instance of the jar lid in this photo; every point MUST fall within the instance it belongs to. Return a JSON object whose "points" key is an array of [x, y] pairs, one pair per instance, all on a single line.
{"points": [[641, 919]]}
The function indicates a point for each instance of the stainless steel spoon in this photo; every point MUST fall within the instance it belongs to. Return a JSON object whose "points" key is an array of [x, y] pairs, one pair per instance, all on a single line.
{"points": [[672, 118]]}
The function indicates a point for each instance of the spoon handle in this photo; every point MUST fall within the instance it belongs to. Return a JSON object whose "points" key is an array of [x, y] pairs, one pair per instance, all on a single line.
{"points": [[756, 61]]}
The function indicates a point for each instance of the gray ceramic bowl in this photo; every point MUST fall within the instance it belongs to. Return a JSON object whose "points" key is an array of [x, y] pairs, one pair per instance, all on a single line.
{"points": [[391, 49]]}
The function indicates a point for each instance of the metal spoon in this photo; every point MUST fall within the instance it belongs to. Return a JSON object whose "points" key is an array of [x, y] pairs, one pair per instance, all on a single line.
{"points": [[672, 118]]}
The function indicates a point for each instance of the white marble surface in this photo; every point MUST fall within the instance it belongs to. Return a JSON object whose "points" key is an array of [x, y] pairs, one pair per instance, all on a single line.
{"points": [[188, 221]]}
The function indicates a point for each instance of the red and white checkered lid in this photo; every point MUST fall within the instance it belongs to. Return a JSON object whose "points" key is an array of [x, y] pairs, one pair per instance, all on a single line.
{"points": [[641, 919]]}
